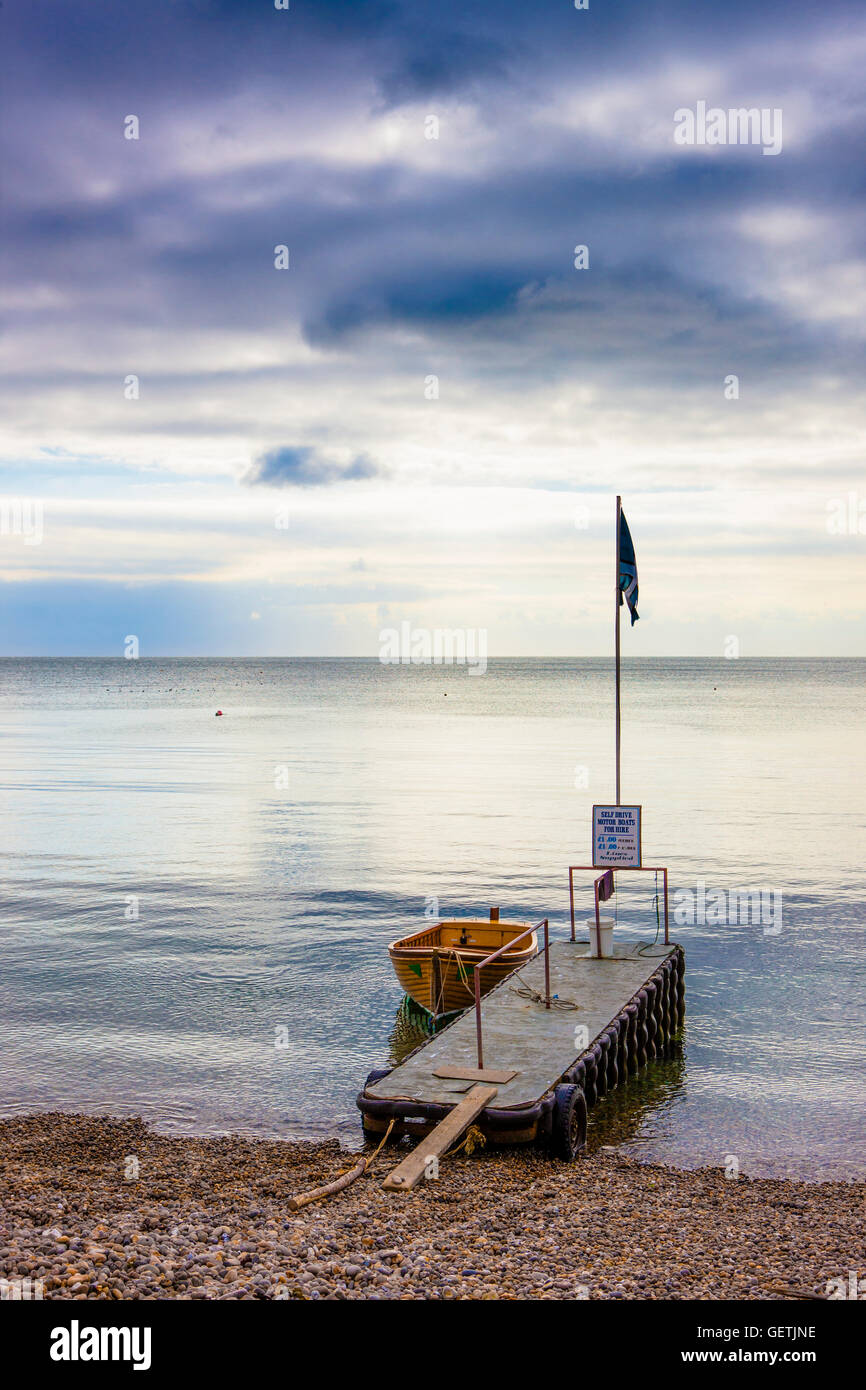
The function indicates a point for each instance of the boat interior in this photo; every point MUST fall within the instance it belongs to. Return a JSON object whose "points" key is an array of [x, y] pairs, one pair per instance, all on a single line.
{"points": [[481, 936]]}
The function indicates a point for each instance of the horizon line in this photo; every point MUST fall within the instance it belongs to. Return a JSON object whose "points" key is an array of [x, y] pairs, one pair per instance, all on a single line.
{"points": [[375, 660]]}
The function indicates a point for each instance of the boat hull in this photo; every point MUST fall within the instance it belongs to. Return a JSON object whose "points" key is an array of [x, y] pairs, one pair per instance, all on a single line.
{"points": [[436, 969]]}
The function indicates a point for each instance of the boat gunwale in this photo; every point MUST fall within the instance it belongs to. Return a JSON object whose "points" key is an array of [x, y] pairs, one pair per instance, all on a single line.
{"points": [[407, 953], [402, 948]]}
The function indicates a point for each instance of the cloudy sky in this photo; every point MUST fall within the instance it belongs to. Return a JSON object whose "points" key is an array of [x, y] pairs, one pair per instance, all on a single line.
{"points": [[427, 414]]}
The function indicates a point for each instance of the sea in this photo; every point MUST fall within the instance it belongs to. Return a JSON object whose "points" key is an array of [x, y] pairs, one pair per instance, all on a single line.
{"points": [[196, 909]]}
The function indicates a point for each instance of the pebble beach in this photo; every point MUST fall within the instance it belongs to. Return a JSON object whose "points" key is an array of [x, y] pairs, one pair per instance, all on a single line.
{"points": [[208, 1218]]}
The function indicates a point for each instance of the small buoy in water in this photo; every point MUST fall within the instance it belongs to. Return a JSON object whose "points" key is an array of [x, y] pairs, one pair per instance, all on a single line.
{"points": [[218, 713]]}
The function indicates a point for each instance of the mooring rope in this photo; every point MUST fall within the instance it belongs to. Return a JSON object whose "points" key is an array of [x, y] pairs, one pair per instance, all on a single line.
{"points": [[527, 992], [658, 917], [461, 971]]}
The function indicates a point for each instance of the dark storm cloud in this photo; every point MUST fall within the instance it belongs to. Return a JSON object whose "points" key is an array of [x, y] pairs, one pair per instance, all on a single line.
{"points": [[192, 49], [176, 232], [301, 466], [449, 63]]}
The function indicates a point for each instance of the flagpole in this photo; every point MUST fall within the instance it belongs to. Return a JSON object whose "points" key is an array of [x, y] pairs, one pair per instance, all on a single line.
{"points": [[616, 611]]}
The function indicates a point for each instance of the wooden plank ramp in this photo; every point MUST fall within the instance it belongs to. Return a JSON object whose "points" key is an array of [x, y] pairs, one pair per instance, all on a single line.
{"points": [[410, 1172]]}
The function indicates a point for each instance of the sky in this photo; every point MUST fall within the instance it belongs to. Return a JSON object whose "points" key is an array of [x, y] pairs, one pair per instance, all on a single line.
{"points": [[298, 344]]}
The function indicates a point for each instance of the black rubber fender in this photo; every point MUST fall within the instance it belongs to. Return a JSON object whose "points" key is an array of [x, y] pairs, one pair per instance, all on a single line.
{"points": [[612, 1035], [622, 1044], [568, 1135], [590, 1069], [377, 1074], [651, 1022], [601, 1048], [633, 1054]]}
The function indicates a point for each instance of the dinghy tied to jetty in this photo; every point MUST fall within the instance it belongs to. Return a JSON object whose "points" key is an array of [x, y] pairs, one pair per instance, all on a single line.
{"points": [[436, 966], [542, 1046]]}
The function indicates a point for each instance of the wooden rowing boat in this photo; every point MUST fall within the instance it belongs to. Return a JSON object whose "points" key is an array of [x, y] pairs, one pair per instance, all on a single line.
{"points": [[435, 966]]}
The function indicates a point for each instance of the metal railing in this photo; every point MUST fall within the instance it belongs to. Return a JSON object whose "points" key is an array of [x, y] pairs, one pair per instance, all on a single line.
{"points": [[509, 945], [604, 889]]}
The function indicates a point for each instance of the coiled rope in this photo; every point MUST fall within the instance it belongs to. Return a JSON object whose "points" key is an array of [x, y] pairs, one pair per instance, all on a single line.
{"points": [[526, 991]]}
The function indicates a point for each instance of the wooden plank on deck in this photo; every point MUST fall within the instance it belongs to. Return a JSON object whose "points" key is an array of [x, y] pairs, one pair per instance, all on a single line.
{"points": [[411, 1170], [495, 1078]]}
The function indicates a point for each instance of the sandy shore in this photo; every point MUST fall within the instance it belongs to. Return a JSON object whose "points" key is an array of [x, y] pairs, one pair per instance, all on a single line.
{"points": [[208, 1218]]}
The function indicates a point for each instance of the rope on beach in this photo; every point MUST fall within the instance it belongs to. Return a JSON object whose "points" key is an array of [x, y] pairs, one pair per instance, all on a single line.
{"points": [[473, 1139], [363, 1165], [382, 1143]]}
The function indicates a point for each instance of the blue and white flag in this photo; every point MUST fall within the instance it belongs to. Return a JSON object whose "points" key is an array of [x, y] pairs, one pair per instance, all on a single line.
{"points": [[627, 569]]}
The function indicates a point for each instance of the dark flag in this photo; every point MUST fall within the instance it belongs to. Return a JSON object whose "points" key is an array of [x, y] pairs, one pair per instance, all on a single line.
{"points": [[627, 569]]}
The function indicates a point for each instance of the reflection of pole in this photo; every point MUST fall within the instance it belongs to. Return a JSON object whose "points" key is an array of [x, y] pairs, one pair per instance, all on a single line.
{"points": [[616, 601]]}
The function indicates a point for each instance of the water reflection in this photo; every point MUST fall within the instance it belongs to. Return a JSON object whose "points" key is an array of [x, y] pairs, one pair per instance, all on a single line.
{"points": [[626, 1115], [412, 1028]]}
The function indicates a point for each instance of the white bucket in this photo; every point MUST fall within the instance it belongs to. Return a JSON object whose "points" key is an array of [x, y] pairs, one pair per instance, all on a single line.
{"points": [[606, 933]]}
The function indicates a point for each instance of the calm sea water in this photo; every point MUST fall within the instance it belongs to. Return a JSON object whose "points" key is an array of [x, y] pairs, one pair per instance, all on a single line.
{"points": [[177, 888]]}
